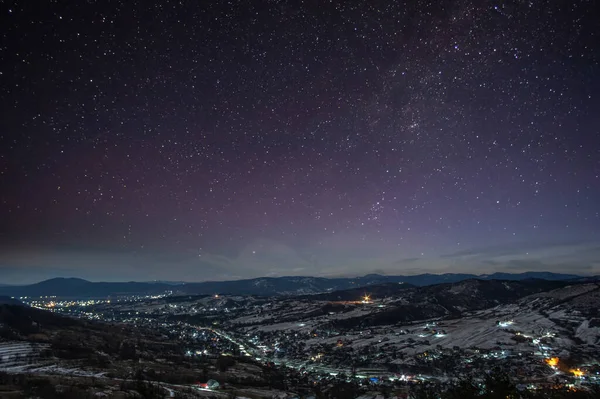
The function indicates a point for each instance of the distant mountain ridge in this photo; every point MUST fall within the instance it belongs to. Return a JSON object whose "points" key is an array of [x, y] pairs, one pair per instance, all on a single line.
{"points": [[263, 286]]}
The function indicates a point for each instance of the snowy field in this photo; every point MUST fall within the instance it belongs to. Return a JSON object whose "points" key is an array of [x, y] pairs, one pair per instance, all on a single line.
{"points": [[544, 324]]}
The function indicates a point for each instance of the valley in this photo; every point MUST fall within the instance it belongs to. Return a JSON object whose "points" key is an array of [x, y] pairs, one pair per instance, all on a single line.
{"points": [[384, 336]]}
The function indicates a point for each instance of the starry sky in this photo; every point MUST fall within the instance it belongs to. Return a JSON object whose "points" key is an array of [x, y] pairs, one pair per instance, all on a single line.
{"points": [[191, 141]]}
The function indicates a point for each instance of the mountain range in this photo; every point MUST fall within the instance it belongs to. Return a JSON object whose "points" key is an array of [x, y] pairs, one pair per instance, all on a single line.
{"points": [[263, 286]]}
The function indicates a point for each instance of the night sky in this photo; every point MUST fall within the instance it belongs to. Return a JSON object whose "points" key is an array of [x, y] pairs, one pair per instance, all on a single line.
{"points": [[219, 140]]}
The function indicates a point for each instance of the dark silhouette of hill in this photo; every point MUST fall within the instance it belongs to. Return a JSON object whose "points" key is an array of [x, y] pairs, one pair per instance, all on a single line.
{"points": [[76, 287], [449, 300], [25, 319], [265, 286], [6, 300], [357, 294]]}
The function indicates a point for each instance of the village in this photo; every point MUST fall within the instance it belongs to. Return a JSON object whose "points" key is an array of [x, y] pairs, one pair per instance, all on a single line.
{"points": [[320, 342]]}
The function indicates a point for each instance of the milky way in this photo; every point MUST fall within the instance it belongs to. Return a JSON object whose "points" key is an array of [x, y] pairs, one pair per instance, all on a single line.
{"points": [[189, 142]]}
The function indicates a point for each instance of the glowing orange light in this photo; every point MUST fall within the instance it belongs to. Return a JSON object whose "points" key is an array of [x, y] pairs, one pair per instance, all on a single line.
{"points": [[552, 362], [577, 373]]}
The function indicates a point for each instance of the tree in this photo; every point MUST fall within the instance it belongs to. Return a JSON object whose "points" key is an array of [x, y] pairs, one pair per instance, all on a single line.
{"points": [[344, 390], [224, 363], [424, 391], [498, 385]]}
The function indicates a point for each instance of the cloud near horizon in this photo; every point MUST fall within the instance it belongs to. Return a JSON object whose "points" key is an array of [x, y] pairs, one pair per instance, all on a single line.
{"points": [[266, 257]]}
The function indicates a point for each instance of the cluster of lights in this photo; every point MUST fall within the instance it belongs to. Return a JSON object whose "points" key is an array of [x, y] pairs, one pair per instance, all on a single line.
{"points": [[66, 304], [553, 362]]}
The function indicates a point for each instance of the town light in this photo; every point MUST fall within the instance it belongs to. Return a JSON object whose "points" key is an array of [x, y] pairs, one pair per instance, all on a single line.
{"points": [[577, 373]]}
